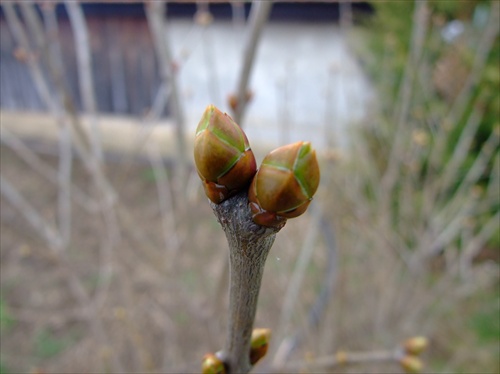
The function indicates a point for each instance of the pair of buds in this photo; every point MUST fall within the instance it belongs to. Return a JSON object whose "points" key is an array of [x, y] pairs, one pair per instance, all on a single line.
{"points": [[281, 188], [259, 344], [412, 348]]}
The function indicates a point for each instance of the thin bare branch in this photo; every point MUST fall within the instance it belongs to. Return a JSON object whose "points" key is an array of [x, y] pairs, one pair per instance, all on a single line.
{"points": [[165, 194], [238, 14], [258, 17], [457, 111], [297, 278], [155, 13], [65, 147], [420, 20], [40, 224], [22, 40], [33, 22], [483, 50], [340, 359], [84, 61], [477, 243], [45, 170]]}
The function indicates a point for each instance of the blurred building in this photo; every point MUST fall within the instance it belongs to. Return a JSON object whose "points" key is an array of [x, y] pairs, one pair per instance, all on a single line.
{"points": [[300, 55]]}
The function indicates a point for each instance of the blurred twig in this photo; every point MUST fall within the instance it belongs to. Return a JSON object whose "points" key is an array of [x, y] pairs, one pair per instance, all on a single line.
{"points": [[339, 359], [40, 225], [86, 79], [65, 147], [457, 111], [155, 13], [420, 20], [45, 170], [297, 278], [258, 16], [66, 117], [238, 14], [165, 202], [290, 344], [482, 52], [204, 18]]}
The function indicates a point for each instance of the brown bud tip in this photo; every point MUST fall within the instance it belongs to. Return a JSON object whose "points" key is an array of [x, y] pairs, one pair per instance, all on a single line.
{"points": [[21, 54], [222, 154], [212, 365], [259, 344], [341, 357], [203, 18], [411, 364], [285, 184], [233, 99], [416, 345]]}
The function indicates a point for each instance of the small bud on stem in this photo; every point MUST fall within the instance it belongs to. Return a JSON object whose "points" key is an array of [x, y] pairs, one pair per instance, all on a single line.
{"points": [[222, 154], [416, 345], [284, 185]]}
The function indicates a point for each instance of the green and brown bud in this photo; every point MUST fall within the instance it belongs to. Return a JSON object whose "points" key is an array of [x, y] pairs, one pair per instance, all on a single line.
{"points": [[411, 364], [284, 185], [212, 365], [259, 344], [416, 345], [222, 154]]}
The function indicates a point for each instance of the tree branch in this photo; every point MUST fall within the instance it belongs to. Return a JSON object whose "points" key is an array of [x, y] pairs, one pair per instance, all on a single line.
{"points": [[249, 245], [155, 14], [86, 80], [258, 16]]}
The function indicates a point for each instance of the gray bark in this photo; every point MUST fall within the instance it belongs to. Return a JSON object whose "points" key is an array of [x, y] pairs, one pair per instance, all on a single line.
{"points": [[249, 245]]}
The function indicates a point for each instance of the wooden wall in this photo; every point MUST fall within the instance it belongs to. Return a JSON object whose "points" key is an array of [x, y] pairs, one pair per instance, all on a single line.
{"points": [[124, 65]]}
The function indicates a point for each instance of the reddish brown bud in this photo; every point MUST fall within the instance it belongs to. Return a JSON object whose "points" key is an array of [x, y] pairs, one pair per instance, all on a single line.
{"points": [[411, 364], [233, 99], [212, 365], [222, 154], [416, 345], [284, 185], [259, 344]]}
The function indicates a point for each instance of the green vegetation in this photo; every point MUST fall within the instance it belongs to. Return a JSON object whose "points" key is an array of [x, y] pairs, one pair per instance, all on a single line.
{"points": [[6, 320], [485, 321], [3, 368], [48, 344], [430, 164], [437, 77]]}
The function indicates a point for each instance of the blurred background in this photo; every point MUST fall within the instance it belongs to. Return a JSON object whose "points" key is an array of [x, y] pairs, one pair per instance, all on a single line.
{"points": [[111, 259]]}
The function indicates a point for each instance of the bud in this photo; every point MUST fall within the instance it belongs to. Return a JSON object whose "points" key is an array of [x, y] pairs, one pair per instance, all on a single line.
{"points": [[259, 344], [284, 185], [411, 364], [416, 345], [222, 154], [341, 357], [212, 365], [233, 99]]}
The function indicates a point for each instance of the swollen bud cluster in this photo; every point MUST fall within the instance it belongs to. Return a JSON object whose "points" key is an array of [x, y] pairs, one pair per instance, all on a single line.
{"points": [[212, 365], [282, 188], [284, 185], [223, 158], [259, 344], [412, 348]]}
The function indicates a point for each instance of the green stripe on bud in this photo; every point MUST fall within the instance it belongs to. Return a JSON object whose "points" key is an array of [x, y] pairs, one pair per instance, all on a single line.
{"points": [[416, 345], [212, 365], [411, 364], [222, 154], [259, 344], [284, 185]]}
